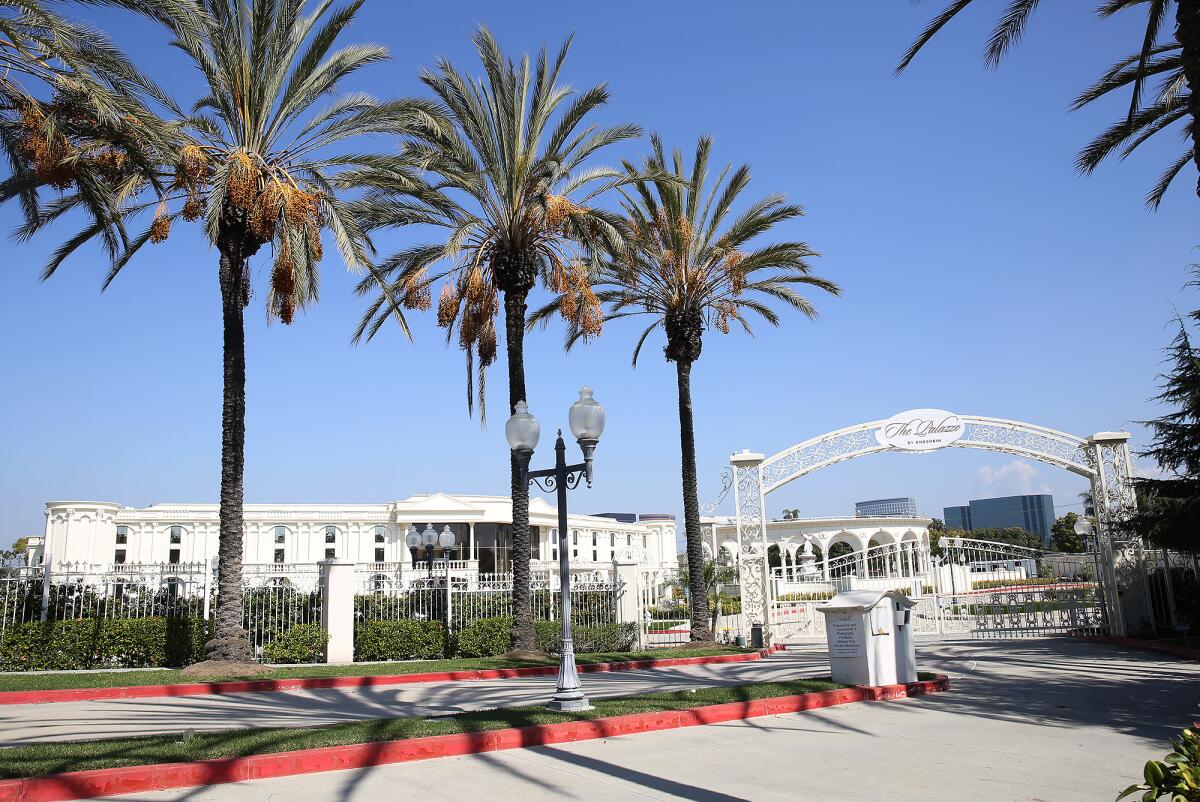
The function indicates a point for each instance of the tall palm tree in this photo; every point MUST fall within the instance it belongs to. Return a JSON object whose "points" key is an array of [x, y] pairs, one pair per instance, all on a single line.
{"points": [[1175, 64], [72, 113], [510, 192], [254, 163], [690, 264]]}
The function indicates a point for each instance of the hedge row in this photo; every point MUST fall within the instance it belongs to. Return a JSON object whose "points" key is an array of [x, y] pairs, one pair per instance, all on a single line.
{"points": [[399, 640], [302, 643], [986, 584], [487, 637], [102, 643], [151, 642]]}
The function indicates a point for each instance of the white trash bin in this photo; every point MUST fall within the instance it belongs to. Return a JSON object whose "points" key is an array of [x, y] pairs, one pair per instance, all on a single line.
{"points": [[870, 639]]}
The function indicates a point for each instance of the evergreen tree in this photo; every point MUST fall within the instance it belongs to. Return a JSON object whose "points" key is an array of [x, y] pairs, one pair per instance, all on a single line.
{"points": [[1063, 535], [1169, 508]]}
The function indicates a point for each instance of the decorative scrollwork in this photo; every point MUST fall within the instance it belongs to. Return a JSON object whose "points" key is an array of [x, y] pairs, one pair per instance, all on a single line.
{"points": [[549, 483], [726, 483], [990, 434], [749, 510]]}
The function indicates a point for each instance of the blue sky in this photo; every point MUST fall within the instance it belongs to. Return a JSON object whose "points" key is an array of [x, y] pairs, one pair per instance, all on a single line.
{"points": [[981, 274]]}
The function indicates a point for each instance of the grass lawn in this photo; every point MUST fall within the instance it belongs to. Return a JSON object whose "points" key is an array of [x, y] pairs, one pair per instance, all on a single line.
{"points": [[663, 626], [50, 758], [113, 679]]}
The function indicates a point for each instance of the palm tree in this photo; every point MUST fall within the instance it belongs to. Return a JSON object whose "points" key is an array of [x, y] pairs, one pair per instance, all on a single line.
{"points": [[714, 576], [72, 115], [510, 192], [1175, 64], [255, 163], [689, 264]]}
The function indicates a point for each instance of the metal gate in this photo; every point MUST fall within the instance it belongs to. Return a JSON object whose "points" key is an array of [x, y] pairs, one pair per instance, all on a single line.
{"points": [[963, 588]]}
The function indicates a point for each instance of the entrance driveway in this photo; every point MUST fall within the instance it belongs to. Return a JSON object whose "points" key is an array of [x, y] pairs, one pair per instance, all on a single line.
{"points": [[1054, 720]]}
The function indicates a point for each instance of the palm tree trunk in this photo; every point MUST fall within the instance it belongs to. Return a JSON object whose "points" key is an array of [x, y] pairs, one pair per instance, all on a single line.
{"points": [[229, 641], [697, 587], [1187, 33], [521, 637]]}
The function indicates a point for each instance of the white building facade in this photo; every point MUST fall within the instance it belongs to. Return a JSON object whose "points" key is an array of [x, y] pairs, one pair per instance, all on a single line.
{"points": [[107, 533]]}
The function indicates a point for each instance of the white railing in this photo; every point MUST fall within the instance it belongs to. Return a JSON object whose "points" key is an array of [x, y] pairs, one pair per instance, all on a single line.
{"points": [[472, 596], [970, 588], [277, 597]]}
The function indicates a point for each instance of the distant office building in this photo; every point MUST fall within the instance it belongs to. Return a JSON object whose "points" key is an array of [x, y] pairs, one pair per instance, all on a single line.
{"points": [[1034, 513], [633, 517], [886, 508], [957, 517]]}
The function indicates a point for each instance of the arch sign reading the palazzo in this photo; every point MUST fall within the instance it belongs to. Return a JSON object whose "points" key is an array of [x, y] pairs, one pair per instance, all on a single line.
{"points": [[1102, 458], [920, 430]]}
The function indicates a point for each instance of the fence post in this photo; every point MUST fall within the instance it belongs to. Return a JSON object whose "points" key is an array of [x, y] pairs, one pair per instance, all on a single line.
{"points": [[46, 560], [337, 609], [449, 608], [210, 565], [628, 595]]}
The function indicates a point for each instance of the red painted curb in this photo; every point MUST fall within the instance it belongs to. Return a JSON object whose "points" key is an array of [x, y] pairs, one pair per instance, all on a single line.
{"points": [[1148, 645], [136, 779], [268, 685]]}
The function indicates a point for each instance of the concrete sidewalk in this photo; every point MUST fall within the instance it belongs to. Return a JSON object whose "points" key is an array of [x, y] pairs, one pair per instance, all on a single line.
{"points": [[1039, 720], [73, 721]]}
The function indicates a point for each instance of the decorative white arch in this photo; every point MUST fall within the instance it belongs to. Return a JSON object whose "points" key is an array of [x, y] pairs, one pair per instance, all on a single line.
{"points": [[1103, 458]]}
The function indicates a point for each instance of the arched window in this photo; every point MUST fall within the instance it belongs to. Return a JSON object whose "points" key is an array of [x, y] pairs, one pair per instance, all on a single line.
{"points": [[628, 539], [176, 538], [331, 534], [612, 540], [280, 538], [122, 539], [380, 539]]}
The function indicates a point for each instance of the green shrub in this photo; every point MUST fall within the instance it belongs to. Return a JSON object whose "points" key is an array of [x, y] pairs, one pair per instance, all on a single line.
{"points": [[1177, 776], [399, 640], [601, 638], [487, 637], [102, 643], [483, 637], [301, 643], [985, 584], [269, 612], [818, 596]]}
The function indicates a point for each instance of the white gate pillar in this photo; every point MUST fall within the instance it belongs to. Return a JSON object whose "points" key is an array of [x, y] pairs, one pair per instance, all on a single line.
{"points": [[1124, 577], [337, 609], [626, 569], [750, 511]]}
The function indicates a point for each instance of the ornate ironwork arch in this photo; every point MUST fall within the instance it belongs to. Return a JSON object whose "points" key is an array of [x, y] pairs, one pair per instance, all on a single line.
{"points": [[1102, 458], [1056, 448]]}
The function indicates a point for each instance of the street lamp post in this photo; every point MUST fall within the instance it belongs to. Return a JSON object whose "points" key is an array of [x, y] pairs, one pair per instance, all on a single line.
{"points": [[412, 539], [430, 538], [586, 419], [446, 541]]}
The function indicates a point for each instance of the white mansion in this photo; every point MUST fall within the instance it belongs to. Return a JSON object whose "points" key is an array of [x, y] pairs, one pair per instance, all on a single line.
{"points": [[106, 533]]}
